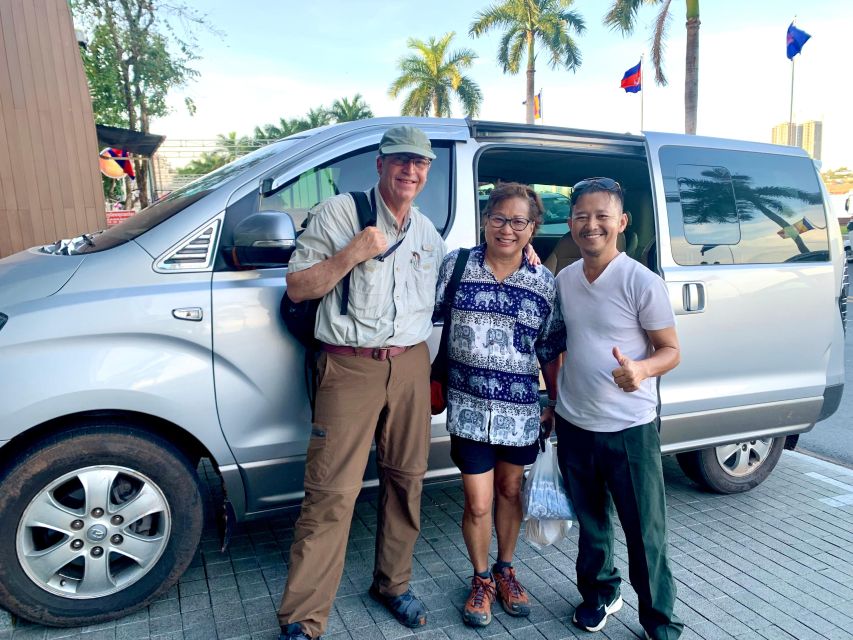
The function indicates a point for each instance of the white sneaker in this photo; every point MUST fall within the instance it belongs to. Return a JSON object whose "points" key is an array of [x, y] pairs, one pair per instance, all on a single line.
{"points": [[591, 618]]}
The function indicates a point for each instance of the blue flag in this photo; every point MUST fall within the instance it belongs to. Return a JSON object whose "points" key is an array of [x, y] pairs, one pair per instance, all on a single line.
{"points": [[796, 39]]}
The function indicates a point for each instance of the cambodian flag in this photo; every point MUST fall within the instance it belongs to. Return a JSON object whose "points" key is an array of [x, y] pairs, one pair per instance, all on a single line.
{"points": [[632, 80], [796, 39]]}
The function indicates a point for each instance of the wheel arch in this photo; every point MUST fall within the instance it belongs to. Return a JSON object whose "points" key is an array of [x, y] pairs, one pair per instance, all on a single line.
{"points": [[180, 438]]}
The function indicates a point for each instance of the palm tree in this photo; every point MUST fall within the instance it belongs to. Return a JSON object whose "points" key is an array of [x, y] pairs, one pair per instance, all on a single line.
{"points": [[435, 75], [525, 22], [623, 17], [231, 147], [344, 110], [272, 132], [314, 118]]}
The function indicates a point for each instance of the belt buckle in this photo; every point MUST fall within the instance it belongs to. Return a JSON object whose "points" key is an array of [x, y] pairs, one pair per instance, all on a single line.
{"points": [[380, 353]]}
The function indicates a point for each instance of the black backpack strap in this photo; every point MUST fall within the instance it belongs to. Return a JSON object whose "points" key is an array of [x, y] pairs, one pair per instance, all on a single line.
{"points": [[366, 218]]}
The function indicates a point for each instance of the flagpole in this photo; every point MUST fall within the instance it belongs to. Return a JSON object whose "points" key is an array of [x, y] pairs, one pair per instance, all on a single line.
{"points": [[541, 110], [642, 90], [792, 138]]}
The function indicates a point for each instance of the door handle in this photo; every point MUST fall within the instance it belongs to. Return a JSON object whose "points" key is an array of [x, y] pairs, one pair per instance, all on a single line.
{"points": [[193, 314], [693, 297]]}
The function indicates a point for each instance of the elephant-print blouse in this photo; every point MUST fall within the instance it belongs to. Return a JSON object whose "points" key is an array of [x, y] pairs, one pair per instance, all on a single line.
{"points": [[498, 331]]}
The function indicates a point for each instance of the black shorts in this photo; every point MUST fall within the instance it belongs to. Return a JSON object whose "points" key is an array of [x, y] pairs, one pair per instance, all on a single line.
{"points": [[473, 457]]}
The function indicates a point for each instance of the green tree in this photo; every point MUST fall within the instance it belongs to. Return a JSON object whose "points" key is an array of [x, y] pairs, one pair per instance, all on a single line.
{"points": [[623, 17], [205, 163], [344, 110], [271, 132], [133, 60], [318, 117], [230, 147], [526, 22], [434, 75]]}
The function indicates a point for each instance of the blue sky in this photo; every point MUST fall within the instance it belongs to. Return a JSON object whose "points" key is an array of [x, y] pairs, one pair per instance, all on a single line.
{"points": [[278, 58]]}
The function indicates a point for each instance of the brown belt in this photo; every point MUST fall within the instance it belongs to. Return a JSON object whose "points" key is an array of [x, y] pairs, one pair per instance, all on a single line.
{"points": [[377, 353]]}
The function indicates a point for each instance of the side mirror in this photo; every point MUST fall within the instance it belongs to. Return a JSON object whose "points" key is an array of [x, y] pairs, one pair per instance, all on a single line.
{"points": [[847, 204], [264, 239]]}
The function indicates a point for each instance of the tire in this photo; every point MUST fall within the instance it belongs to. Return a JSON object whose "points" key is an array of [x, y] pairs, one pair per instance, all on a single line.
{"points": [[732, 468], [95, 523]]}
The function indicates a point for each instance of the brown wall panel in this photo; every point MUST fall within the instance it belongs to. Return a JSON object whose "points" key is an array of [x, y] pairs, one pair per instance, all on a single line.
{"points": [[49, 178]]}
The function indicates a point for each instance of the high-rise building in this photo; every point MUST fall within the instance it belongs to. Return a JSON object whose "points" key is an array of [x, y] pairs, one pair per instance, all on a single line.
{"points": [[786, 133], [808, 135], [812, 138]]}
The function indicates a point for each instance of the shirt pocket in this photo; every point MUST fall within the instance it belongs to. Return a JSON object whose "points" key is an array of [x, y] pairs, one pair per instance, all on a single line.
{"points": [[368, 292], [423, 277]]}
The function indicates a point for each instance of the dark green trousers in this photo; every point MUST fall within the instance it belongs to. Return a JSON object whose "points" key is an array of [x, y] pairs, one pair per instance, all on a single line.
{"points": [[626, 467]]}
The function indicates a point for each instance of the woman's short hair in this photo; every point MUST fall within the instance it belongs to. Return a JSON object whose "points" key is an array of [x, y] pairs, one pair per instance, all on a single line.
{"points": [[507, 190]]}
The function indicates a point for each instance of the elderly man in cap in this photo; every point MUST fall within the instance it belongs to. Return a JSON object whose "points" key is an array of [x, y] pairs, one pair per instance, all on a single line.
{"points": [[373, 384]]}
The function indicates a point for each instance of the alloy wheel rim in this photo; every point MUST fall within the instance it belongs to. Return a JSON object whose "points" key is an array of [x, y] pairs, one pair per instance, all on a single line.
{"points": [[93, 532], [742, 459]]}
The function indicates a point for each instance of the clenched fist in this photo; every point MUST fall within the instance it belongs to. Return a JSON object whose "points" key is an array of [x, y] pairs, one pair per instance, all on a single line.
{"points": [[368, 243]]}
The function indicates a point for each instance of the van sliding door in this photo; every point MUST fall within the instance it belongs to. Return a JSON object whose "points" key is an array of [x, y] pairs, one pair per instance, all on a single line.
{"points": [[743, 247]]}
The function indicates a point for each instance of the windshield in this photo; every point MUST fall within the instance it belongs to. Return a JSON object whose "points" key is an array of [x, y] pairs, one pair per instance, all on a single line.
{"points": [[176, 201]]}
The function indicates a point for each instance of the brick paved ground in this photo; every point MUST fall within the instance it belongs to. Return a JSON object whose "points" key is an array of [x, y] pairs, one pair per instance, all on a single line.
{"points": [[774, 563]]}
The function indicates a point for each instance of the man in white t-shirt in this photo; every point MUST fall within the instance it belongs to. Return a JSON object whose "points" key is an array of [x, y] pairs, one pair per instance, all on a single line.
{"points": [[621, 336]]}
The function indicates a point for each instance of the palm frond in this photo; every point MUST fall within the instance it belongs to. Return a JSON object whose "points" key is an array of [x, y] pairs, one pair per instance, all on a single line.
{"points": [[659, 41]]}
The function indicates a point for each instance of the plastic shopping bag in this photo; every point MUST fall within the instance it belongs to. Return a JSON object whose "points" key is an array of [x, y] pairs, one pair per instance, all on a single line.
{"points": [[541, 533], [544, 495], [547, 509]]}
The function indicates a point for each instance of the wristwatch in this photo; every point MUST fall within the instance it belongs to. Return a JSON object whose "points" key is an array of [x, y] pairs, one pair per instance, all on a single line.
{"points": [[551, 403]]}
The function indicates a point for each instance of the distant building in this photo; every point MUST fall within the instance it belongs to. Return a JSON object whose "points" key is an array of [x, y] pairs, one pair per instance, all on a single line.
{"points": [[808, 135], [812, 138]]}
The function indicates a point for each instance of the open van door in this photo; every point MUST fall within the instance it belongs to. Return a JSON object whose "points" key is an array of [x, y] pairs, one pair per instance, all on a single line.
{"points": [[742, 244]]}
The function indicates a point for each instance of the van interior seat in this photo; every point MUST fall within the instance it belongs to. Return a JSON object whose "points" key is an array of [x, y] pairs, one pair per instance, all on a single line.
{"points": [[567, 251]]}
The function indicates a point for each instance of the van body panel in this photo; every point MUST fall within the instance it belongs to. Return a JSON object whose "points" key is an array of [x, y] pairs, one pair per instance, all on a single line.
{"points": [[34, 274], [108, 340]]}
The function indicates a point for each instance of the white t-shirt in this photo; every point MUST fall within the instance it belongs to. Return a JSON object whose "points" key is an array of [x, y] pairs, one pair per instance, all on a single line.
{"points": [[614, 311]]}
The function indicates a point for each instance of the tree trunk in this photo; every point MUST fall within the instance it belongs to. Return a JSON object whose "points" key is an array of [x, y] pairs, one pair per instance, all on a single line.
{"points": [[691, 74], [435, 106], [531, 72]]}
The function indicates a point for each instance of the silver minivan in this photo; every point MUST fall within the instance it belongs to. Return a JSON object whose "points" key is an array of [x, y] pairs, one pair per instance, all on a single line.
{"points": [[131, 354]]}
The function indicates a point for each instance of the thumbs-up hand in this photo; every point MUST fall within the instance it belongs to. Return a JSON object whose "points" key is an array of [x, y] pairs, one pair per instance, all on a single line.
{"points": [[629, 374]]}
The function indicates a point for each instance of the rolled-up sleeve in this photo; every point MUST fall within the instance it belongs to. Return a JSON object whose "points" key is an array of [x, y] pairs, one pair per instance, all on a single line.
{"points": [[329, 230]]}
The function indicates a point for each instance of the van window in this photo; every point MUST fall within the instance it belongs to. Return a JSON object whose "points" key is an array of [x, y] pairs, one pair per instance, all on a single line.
{"points": [[357, 172], [733, 207]]}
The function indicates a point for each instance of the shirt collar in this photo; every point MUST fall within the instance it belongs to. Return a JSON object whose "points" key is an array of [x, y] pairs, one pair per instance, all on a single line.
{"points": [[480, 252], [382, 211]]}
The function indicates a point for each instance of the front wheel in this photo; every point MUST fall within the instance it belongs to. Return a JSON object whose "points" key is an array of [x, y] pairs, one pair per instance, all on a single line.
{"points": [[95, 523], [733, 468]]}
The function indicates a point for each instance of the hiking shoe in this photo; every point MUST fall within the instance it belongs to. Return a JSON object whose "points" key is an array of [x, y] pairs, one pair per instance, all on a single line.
{"points": [[591, 618], [406, 608], [510, 593], [478, 606], [293, 631]]}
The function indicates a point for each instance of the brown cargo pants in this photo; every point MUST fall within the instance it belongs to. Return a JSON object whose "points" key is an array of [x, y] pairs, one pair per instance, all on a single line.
{"points": [[359, 401]]}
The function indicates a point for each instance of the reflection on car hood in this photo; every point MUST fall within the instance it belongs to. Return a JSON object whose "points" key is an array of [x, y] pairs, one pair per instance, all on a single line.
{"points": [[33, 274]]}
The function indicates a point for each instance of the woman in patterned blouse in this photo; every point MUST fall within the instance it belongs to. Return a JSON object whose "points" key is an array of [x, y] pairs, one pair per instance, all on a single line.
{"points": [[504, 322]]}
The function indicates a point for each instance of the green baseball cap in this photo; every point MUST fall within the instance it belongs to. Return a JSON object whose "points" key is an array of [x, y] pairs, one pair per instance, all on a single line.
{"points": [[405, 139]]}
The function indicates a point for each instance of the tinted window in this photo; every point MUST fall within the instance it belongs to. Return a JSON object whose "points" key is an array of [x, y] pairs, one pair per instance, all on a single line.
{"points": [[730, 207], [357, 172]]}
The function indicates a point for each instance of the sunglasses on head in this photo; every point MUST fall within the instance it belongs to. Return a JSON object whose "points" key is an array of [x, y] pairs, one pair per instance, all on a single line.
{"points": [[601, 184]]}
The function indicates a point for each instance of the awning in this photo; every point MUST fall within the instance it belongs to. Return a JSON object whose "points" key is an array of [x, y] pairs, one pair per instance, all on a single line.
{"points": [[143, 144]]}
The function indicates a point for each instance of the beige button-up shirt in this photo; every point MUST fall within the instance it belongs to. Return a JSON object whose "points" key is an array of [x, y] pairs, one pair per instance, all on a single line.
{"points": [[390, 301]]}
